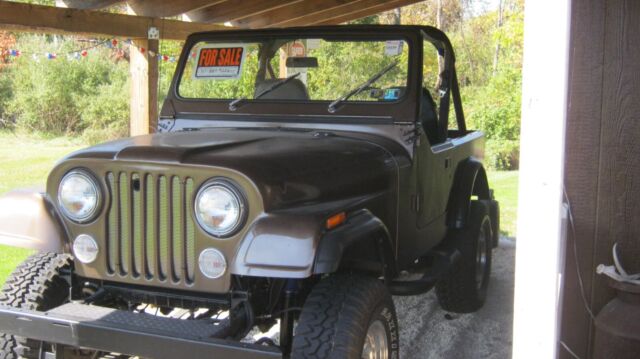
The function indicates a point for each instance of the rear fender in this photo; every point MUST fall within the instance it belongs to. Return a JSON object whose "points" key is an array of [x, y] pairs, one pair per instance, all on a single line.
{"points": [[470, 180], [29, 220]]}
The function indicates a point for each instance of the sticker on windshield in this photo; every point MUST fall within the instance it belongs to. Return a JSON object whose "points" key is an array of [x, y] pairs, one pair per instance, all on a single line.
{"points": [[393, 47], [220, 62]]}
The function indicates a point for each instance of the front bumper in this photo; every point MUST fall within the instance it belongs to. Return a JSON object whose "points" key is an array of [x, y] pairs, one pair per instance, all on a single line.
{"points": [[116, 331]]}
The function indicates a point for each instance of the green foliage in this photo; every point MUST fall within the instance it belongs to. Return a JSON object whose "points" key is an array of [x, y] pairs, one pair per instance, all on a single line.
{"points": [[68, 95], [6, 93], [105, 115]]}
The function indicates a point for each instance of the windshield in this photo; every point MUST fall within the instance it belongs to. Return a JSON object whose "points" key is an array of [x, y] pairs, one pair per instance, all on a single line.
{"points": [[303, 69]]}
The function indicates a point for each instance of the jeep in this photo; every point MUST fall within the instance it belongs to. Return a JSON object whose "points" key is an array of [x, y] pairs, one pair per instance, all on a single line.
{"points": [[298, 178]]}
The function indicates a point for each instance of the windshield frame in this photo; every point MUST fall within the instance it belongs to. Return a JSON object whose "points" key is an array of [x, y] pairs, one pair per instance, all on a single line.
{"points": [[403, 109]]}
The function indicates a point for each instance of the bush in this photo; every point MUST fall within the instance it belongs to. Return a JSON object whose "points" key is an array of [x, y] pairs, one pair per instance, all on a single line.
{"points": [[105, 115], [6, 93], [495, 109], [502, 154], [68, 95]]}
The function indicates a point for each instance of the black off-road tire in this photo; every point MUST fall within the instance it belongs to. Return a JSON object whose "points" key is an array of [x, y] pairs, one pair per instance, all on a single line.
{"points": [[460, 291], [36, 284], [336, 317]]}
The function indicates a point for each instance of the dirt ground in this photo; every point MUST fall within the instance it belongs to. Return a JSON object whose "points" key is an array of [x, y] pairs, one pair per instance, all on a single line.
{"points": [[428, 332]]}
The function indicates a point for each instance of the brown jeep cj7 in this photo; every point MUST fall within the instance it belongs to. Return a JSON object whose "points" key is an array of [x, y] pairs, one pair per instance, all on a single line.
{"points": [[298, 178]]}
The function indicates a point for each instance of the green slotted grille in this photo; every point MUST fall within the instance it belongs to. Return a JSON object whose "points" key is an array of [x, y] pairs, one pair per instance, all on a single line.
{"points": [[190, 235], [163, 232], [112, 227], [150, 227], [125, 224], [177, 226], [137, 228]]}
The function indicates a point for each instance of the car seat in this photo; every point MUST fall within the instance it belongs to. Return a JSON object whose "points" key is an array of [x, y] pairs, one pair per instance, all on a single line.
{"points": [[428, 117], [292, 90]]}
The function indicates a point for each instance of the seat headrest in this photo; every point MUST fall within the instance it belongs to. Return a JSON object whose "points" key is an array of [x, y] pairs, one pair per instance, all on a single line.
{"points": [[292, 90]]}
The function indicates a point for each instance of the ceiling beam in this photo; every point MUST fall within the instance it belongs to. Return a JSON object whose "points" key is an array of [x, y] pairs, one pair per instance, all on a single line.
{"points": [[86, 4], [232, 10], [38, 18], [358, 14], [329, 13], [166, 8], [292, 11]]}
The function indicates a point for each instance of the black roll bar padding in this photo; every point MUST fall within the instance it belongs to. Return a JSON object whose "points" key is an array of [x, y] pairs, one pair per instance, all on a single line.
{"points": [[440, 40], [457, 103]]}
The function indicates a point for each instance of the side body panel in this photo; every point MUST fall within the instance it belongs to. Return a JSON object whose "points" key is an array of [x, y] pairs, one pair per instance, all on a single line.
{"points": [[435, 173]]}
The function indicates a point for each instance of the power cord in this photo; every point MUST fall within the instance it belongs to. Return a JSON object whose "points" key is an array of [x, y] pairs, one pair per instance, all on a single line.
{"points": [[578, 272]]}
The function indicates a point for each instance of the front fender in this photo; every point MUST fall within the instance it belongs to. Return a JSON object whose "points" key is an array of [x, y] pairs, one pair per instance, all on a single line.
{"points": [[280, 246], [29, 220], [361, 228], [298, 246]]}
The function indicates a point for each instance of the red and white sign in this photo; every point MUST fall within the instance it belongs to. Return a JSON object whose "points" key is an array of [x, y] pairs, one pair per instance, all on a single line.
{"points": [[221, 62], [297, 49]]}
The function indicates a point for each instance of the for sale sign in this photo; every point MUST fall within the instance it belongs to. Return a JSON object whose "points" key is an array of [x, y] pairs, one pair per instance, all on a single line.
{"points": [[220, 62]]}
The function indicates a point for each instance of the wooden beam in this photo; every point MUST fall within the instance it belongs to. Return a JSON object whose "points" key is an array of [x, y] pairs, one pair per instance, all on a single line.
{"points": [[163, 8], [232, 10], [291, 11], [330, 13], [86, 4], [38, 18], [358, 14], [144, 87]]}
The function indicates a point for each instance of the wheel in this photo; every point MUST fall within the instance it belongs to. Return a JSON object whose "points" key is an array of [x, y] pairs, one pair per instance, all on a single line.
{"points": [[36, 284], [464, 288], [347, 317]]}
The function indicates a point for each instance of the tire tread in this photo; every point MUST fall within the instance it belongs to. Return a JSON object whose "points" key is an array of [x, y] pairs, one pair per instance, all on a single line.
{"points": [[335, 315], [36, 284]]}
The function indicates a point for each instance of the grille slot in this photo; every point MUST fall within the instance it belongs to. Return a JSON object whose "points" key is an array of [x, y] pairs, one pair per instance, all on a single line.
{"points": [[150, 227]]}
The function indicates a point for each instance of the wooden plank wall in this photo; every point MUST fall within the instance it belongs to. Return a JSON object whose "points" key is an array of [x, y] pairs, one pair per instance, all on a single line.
{"points": [[602, 173]]}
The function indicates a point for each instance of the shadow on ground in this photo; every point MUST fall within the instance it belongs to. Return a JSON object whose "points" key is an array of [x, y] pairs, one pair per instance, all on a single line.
{"points": [[428, 332]]}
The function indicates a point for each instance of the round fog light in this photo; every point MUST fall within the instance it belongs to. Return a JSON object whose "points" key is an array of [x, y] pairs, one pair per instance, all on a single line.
{"points": [[85, 248], [212, 263]]}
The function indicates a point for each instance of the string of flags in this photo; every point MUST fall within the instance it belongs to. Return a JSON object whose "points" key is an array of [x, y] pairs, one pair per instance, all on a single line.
{"points": [[84, 52]]}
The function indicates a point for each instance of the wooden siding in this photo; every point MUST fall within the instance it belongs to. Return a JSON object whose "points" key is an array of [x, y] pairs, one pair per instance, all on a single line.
{"points": [[602, 172]]}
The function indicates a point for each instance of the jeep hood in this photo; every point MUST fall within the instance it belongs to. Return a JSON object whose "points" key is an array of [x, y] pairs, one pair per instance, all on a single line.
{"points": [[291, 169]]}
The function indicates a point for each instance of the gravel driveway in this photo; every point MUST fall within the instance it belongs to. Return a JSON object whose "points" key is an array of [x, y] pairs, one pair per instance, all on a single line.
{"points": [[428, 332]]}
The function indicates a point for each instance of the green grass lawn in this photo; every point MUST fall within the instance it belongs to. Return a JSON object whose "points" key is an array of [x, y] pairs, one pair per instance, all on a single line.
{"points": [[25, 161], [505, 186]]}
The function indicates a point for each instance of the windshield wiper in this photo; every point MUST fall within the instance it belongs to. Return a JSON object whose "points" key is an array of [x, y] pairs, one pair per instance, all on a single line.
{"points": [[233, 105], [334, 105]]}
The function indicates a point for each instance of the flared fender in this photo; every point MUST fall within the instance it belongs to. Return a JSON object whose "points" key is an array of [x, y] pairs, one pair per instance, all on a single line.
{"points": [[29, 220]]}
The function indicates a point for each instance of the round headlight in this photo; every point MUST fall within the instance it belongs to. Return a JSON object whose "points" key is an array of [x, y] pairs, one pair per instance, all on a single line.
{"points": [[79, 196], [219, 208], [85, 248], [212, 263]]}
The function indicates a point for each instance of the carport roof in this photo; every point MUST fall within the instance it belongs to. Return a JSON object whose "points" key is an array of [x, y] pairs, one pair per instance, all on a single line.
{"points": [[87, 17]]}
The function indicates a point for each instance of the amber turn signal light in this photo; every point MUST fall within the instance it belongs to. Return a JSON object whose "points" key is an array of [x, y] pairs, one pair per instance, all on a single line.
{"points": [[336, 220]]}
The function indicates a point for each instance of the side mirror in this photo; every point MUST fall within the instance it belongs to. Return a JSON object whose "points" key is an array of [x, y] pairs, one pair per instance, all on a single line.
{"points": [[300, 62]]}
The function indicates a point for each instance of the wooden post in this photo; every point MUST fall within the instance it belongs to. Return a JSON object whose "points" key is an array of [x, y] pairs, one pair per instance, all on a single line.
{"points": [[540, 250], [144, 86]]}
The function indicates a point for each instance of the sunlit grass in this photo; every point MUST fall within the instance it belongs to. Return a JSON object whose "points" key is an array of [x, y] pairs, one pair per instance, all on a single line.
{"points": [[25, 162], [505, 186]]}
